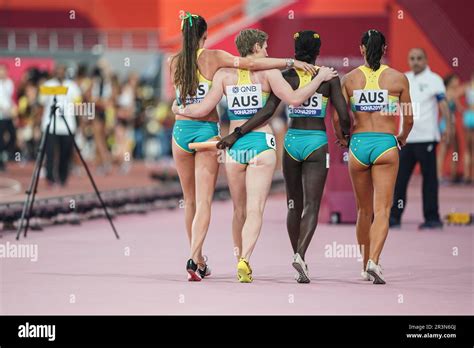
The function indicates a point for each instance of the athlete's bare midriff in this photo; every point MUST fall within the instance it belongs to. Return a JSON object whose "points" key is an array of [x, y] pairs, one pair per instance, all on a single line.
{"points": [[375, 121], [212, 117], [237, 123]]}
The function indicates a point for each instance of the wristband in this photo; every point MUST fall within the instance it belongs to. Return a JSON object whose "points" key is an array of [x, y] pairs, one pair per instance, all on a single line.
{"points": [[238, 131], [290, 62]]}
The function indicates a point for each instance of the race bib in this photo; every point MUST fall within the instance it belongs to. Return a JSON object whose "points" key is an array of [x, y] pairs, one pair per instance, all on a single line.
{"points": [[244, 99], [310, 108], [370, 100], [201, 92], [270, 140]]}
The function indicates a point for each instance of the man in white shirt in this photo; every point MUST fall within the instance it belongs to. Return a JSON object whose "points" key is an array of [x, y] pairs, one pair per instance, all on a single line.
{"points": [[7, 113], [59, 140], [427, 93]]}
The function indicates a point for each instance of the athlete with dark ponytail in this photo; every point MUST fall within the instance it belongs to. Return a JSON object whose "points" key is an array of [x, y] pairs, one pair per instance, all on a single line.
{"points": [[193, 69], [377, 93], [304, 158]]}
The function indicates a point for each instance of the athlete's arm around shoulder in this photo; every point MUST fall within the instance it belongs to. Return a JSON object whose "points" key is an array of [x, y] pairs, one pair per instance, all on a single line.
{"points": [[261, 117], [210, 100], [224, 59], [264, 114], [283, 90], [406, 106]]}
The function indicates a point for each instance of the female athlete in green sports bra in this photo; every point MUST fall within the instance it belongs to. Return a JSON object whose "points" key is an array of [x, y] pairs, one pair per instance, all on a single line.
{"points": [[304, 158], [377, 93], [192, 70], [250, 163]]}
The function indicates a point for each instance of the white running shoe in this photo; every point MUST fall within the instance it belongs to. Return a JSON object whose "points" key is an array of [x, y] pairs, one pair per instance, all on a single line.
{"points": [[204, 269], [366, 276], [204, 272], [301, 268], [375, 271]]}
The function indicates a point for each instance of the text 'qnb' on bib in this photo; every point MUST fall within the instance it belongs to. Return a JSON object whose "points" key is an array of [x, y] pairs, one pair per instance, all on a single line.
{"points": [[244, 99], [370, 100]]}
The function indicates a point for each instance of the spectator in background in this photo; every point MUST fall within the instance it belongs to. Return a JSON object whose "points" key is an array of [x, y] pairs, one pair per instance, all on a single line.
{"points": [[83, 81], [84, 128], [100, 95], [111, 109], [7, 114], [427, 94], [165, 117], [468, 122], [125, 121], [60, 144], [126, 117], [453, 93], [139, 121], [29, 120]]}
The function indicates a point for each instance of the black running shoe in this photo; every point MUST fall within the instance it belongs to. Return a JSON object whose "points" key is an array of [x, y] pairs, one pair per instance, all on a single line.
{"points": [[431, 225], [394, 222], [192, 269]]}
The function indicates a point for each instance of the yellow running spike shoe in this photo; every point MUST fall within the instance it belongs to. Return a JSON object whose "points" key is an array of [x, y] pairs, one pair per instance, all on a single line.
{"points": [[244, 272]]}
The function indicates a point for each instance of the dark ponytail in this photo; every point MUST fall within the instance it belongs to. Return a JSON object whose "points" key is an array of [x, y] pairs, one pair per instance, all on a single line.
{"points": [[185, 76], [374, 43], [307, 45]]}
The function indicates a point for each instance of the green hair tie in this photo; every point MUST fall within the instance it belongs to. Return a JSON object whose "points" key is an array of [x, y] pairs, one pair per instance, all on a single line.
{"points": [[190, 17]]}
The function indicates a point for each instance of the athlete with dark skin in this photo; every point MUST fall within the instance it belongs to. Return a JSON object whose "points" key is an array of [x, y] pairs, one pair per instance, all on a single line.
{"points": [[304, 158]]}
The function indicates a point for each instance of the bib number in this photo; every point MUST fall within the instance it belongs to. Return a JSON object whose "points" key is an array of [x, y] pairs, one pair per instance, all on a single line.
{"points": [[270, 140], [370, 100], [244, 99], [201, 92], [311, 107]]}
